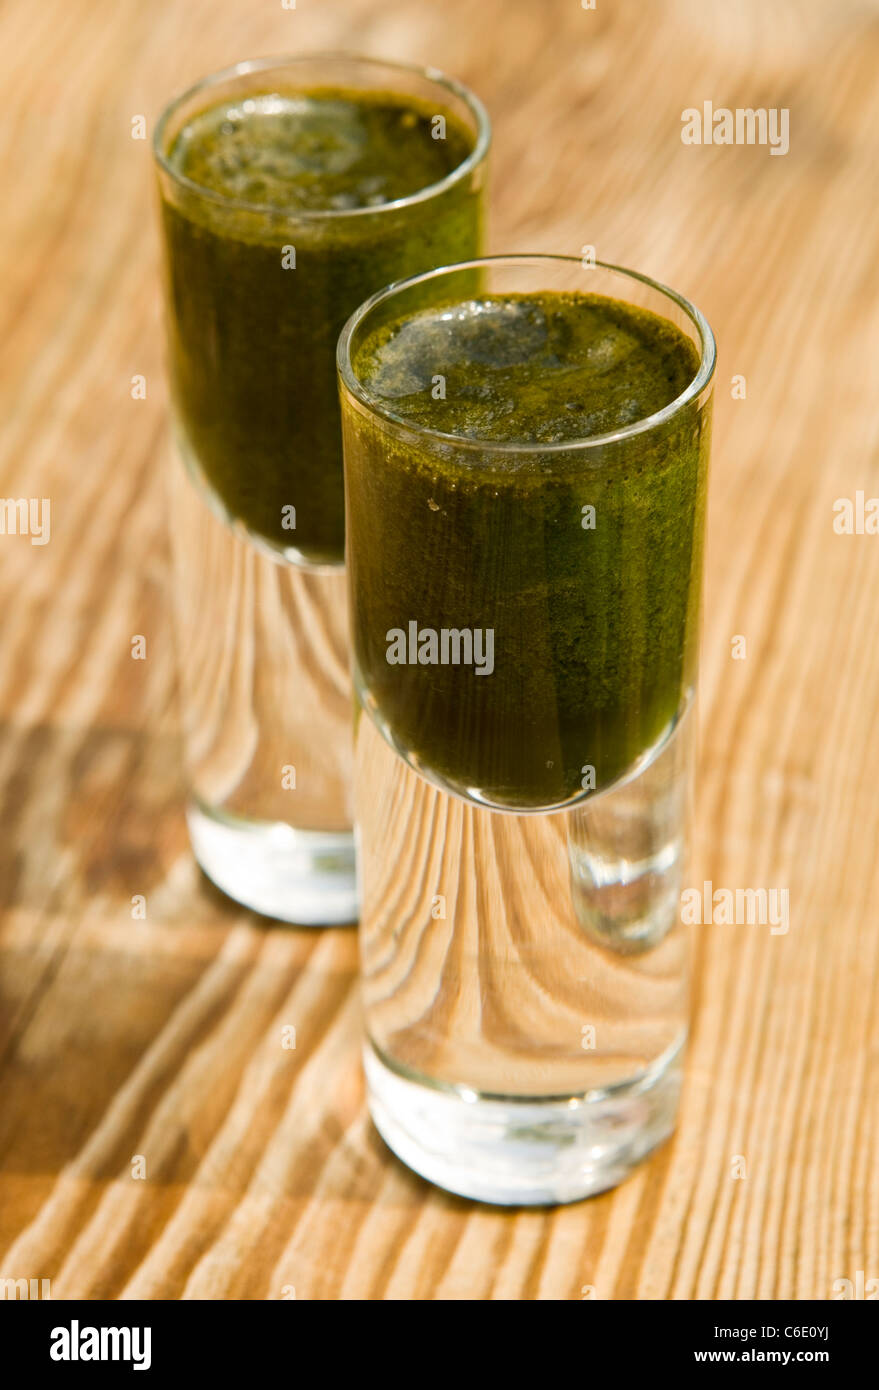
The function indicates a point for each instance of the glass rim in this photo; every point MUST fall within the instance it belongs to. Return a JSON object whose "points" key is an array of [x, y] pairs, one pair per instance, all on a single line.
{"points": [[376, 406], [258, 65]]}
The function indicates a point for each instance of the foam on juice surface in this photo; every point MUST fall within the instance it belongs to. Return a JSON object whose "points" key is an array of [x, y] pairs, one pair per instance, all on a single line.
{"points": [[544, 368], [318, 151]]}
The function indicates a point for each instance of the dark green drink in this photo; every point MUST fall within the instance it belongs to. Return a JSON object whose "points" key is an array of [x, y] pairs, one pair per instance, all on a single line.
{"points": [[526, 451], [291, 190], [284, 207], [524, 554]]}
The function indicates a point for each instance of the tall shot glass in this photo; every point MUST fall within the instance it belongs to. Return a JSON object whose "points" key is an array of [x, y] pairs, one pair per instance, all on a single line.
{"points": [[257, 292], [525, 624]]}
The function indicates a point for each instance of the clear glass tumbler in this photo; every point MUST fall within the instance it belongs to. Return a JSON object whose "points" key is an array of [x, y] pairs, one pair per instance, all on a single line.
{"points": [[258, 287], [525, 616]]}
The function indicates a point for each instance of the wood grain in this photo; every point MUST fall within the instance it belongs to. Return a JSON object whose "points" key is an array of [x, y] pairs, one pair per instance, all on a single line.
{"points": [[163, 1037]]}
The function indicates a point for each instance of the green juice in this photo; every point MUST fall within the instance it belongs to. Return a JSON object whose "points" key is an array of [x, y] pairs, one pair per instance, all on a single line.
{"points": [[280, 221], [583, 563]]}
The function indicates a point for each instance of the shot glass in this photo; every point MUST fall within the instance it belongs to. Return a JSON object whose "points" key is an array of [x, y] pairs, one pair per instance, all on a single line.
{"points": [[525, 605], [264, 263]]}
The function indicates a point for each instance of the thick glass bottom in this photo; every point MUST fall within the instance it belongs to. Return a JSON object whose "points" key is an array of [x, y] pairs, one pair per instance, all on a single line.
{"points": [[307, 877], [524, 1151], [524, 976]]}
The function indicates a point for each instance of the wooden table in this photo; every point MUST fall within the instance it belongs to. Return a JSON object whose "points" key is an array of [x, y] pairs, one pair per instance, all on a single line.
{"points": [[162, 1037]]}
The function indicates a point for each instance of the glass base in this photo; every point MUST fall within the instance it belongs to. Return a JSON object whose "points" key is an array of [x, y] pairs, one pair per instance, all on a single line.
{"points": [[527, 1151], [307, 877]]}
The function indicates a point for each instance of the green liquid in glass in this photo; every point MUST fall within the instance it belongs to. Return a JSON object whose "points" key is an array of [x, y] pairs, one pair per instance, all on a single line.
{"points": [[594, 625], [254, 330]]}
